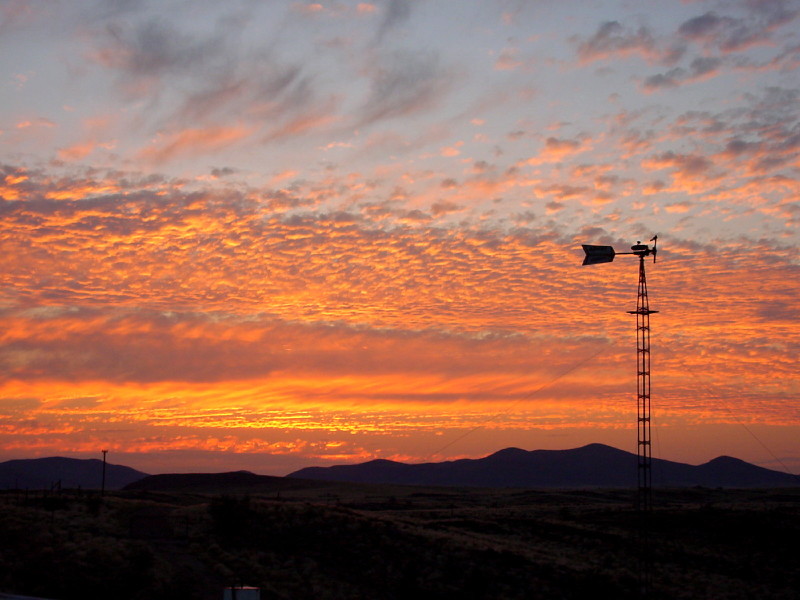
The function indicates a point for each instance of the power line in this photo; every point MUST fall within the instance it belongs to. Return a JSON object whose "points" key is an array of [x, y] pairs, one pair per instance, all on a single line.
{"points": [[528, 396], [713, 394]]}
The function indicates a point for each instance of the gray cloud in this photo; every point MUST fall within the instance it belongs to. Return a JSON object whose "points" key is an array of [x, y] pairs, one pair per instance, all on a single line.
{"points": [[701, 26], [699, 68], [614, 39], [611, 38], [395, 14], [222, 172], [730, 34], [403, 84], [212, 78], [15, 406], [779, 310], [154, 48], [687, 164], [444, 208]]}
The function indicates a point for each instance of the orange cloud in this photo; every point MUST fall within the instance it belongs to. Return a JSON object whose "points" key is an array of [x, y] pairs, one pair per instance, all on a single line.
{"points": [[557, 150], [249, 320], [40, 122], [302, 124], [193, 142], [508, 61], [77, 151]]}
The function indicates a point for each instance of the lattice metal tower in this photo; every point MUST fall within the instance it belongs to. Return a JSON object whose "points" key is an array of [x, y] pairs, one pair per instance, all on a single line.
{"points": [[604, 254], [644, 495]]}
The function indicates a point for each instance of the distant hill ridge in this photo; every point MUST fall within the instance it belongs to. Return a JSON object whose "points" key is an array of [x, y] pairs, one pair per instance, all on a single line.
{"points": [[234, 481], [57, 471], [594, 465]]}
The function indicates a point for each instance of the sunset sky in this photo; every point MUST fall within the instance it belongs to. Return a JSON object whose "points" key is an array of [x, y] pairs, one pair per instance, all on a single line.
{"points": [[265, 235]]}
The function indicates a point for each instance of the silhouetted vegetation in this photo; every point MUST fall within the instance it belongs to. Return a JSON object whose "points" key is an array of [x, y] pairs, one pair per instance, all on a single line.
{"points": [[415, 544]]}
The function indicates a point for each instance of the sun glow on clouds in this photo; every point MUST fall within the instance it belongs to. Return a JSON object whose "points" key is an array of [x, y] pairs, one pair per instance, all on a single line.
{"points": [[356, 234]]}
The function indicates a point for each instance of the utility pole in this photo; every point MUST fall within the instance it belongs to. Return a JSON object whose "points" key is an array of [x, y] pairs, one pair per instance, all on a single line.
{"points": [[103, 483]]}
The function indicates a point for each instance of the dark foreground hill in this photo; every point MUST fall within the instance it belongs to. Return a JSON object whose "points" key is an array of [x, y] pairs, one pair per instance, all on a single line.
{"points": [[212, 483], [388, 543], [56, 471], [595, 465]]}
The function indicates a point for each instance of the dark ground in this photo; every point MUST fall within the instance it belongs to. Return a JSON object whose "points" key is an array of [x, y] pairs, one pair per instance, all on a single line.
{"points": [[348, 541]]}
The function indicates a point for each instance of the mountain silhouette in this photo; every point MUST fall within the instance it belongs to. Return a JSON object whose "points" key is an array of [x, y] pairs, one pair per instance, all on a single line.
{"points": [[594, 465], [235, 481], [56, 471]]}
